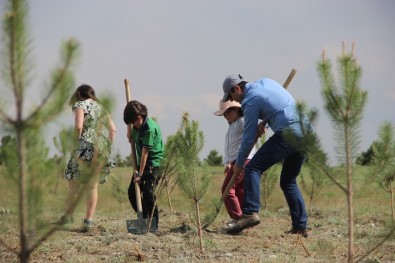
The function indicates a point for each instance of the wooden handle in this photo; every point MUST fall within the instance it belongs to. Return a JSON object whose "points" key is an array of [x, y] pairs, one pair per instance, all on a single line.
{"points": [[289, 79], [133, 150], [127, 90], [230, 184]]}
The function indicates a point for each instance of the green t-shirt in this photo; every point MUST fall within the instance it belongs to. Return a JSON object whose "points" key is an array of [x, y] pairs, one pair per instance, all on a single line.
{"points": [[149, 136]]}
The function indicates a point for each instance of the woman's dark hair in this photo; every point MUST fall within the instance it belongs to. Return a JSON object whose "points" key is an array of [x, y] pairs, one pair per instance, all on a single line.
{"points": [[133, 110], [83, 92]]}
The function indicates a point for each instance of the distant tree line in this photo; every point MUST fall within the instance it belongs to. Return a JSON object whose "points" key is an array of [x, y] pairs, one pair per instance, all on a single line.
{"points": [[365, 158]]}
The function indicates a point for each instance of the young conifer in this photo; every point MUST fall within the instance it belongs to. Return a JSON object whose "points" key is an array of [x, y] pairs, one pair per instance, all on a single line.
{"points": [[384, 161], [344, 102], [193, 176], [28, 158]]}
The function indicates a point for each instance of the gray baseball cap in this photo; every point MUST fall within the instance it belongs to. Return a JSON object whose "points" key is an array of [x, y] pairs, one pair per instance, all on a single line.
{"points": [[229, 82]]}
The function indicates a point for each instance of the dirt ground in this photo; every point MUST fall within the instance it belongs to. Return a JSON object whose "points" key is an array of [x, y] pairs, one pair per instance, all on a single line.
{"points": [[177, 241]]}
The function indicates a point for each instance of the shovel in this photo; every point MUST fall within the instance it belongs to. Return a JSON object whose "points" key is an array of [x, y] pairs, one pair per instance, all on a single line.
{"points": [[135, 226]]}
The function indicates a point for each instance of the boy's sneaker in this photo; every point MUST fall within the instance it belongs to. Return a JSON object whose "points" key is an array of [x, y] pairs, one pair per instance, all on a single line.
{"points": [[64, 220], [299, 231], [154, 229], [88, 225], [244, 222]]}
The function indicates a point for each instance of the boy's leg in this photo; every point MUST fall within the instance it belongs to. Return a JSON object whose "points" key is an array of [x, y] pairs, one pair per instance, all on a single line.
{"points": [[150, 180], [149, 200], [231, 202], [239, 188]]}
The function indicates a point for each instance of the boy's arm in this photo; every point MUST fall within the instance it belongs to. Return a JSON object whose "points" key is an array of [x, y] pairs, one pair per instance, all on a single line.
{"points": [[143, 161], [129, 133]]}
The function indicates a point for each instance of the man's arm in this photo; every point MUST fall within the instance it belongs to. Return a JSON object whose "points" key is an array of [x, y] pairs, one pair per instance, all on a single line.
{"points": [[249, 134]]}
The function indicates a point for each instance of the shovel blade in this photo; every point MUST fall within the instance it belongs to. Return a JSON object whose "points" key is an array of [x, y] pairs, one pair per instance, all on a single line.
{"points": [[137, 226]]}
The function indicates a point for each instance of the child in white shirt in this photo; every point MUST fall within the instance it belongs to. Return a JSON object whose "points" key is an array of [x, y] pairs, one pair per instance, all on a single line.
{"points": [[231, 110]]}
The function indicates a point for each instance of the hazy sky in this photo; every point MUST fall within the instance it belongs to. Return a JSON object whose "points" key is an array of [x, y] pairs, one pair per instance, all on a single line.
{"points": [[176, 54]]}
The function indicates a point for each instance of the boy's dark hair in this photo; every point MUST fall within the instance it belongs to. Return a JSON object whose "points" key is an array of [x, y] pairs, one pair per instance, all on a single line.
{"points": [[240, 112], [133, 110]]}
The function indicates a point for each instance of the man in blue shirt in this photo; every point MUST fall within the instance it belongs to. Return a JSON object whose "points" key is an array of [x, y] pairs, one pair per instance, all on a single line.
{"points": [[268, 101]]}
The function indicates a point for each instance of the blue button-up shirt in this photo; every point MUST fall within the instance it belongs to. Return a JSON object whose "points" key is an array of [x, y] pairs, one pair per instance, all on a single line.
{"points": [[266, 100]]}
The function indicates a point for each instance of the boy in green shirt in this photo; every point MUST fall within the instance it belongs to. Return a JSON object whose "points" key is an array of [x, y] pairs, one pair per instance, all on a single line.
{"points": [[147, 137]]}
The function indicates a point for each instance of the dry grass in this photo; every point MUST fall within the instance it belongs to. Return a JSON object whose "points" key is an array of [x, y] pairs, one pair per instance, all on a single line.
{"points": [[178, 241]]}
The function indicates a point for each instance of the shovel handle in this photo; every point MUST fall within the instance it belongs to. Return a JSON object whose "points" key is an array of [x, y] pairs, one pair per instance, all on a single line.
{"points": [[227, 189], [289, 79], [133, 150]]}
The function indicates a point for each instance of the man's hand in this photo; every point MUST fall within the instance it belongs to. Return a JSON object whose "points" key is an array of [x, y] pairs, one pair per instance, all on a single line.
{"points": [[262, 128], [237, 170]]}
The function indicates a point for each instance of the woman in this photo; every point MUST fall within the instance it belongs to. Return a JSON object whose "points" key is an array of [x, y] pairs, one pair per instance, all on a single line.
{"points": [[90, 157]]}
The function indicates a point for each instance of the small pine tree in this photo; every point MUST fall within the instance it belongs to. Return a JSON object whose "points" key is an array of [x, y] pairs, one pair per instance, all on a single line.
{"points": [[384, 161], [316, 181], [118, 190], [269, 177], [8, 143], [170, 164], [29, 157], [193, 176], [268, 182], [62, 143]]}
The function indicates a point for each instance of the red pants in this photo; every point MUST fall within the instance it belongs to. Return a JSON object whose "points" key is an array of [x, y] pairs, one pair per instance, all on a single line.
{"points": [[234, 201]]}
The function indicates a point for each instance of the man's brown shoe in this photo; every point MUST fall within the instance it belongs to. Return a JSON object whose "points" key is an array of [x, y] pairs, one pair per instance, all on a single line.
{"points": [[244, 222], [299, 231]]}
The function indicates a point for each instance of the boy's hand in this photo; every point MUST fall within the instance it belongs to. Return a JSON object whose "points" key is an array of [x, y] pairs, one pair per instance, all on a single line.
{"points": [[227, 168], [137, 177], [238, 170]]}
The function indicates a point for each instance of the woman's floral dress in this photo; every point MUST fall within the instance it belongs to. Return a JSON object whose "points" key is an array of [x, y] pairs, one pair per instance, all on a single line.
{"points": [[93, 140]]}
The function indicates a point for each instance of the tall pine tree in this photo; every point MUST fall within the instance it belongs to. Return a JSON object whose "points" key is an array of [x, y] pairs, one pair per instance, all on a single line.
{"points": [[344, 102]]}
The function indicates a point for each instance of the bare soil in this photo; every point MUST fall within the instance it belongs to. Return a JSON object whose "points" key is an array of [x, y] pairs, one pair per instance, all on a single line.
{"points": [[177, 241]]}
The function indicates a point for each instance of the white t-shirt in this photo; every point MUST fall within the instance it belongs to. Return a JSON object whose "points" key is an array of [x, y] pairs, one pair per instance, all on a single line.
{"points": [[233, 140]]}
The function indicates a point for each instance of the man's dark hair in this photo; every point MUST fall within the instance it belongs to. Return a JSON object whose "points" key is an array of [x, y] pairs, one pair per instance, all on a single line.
{"points": [[242, 84], [133, 110]]}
